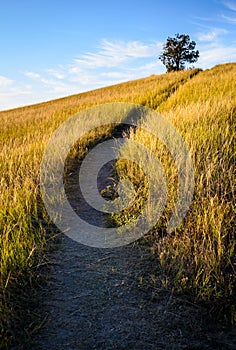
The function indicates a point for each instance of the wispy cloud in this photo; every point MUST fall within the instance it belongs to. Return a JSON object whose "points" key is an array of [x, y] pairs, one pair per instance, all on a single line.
{"points": [[230, 5], [212, 34], [229, 19], [56, 73], [115, 62], [215, 43], [112, 54], [4, 82], [112, 63], [32, 75], [9, 87], [216, 54], [12, 93], [51, 85]]}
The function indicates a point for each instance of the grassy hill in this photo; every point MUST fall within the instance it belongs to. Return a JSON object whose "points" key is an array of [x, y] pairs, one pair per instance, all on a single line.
{"points": [[199, 255]]}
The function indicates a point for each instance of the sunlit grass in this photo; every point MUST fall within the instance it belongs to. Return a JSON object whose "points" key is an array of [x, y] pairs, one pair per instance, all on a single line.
{"points": [[200, 254], [202, 107], [23, 221]]}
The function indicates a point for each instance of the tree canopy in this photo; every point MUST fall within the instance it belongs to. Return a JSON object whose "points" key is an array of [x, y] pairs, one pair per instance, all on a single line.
{"points": [[178, 51]]}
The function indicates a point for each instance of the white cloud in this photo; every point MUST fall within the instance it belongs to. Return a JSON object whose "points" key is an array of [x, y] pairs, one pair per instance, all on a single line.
{"points": [[32, 75], [12, 93], [216, 54], [56, 73], [154, 65], [112, 54], [9, 87], [230, 16], [118, 75], [229, 19], [206, 37], [230, 5], [134, 49], [50, 83], [4, 81], [113, 59], [212, 34], [214, 47], [115, 62]]}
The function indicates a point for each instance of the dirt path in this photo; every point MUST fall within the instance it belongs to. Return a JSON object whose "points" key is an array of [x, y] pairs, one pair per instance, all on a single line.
{"points": [[95, 300], [102, 299]]}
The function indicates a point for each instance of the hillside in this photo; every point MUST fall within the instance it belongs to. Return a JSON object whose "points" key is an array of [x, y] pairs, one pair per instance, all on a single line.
{"points": [[199, 256]]}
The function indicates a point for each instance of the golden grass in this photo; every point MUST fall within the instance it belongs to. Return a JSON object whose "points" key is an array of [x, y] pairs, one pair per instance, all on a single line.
{"points": [[200, 254], [24, 136], [201, 108]]}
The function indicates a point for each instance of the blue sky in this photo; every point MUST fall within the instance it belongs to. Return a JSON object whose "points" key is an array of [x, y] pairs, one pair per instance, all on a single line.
{"points": [[50, 49]]}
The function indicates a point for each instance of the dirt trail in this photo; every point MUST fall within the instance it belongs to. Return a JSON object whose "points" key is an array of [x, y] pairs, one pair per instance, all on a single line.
{"points": [[95, 300], [99, 299]]}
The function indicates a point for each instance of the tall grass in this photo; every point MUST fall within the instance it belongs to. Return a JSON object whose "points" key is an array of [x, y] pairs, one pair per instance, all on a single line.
{"points": [[198, 103], [199, 255], [24, 133]]}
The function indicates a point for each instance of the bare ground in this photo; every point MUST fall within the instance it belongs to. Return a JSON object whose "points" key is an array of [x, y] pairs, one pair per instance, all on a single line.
{"points": [[97, 299]]}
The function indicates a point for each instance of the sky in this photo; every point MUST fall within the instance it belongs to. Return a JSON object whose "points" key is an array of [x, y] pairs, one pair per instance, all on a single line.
{"points": [[50, 49]]}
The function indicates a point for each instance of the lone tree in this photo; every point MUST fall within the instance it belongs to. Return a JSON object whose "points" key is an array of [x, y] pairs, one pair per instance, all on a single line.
{"points": [[177, 51]]}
